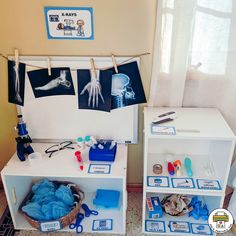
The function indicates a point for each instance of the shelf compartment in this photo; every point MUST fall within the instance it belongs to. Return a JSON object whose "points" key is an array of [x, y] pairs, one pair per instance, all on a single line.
{"points": [[199, 174], [22, 184], [162, 225]]}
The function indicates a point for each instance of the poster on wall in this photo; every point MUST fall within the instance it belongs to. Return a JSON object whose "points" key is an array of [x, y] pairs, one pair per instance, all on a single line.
{"points": [[69, 22]]}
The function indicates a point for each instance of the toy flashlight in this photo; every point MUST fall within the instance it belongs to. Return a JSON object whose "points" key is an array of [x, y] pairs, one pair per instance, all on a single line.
{"points": [[23, 140], [177, 165], [188, 166]]}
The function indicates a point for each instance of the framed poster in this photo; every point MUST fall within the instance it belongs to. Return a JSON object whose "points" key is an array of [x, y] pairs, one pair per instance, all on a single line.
{"points": [[69, 22]]}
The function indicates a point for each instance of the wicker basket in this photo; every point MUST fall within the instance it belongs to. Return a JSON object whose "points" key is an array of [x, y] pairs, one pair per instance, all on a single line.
{"points": [[65, 220]]}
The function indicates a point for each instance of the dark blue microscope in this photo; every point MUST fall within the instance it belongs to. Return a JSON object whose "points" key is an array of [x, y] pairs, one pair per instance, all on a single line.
{"points": [[23, 140]]}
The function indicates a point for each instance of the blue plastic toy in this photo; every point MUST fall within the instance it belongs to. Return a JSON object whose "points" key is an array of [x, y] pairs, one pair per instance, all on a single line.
{"points": [[77, 225], [107, 198], [104, 150], [198, 211], [23, 140], [87, 211], [188, 166]]}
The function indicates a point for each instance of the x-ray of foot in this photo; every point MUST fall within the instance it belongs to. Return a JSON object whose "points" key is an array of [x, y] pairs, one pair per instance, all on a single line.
{"points": [[61, 80]]}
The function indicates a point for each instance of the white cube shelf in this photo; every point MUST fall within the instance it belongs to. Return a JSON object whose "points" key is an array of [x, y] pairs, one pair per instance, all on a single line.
{"points": [[18, 178], [201, 134]]}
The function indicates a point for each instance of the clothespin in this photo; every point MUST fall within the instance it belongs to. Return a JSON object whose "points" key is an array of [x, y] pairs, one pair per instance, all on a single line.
{"points": [[49, 66], [114, 63], [17, 58], [93, 68]]}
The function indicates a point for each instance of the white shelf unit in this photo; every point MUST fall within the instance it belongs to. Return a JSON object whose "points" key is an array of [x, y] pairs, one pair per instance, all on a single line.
{"points": [[18, 178], [201, 134]]}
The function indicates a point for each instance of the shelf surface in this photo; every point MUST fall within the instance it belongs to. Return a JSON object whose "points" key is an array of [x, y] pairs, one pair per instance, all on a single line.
{"points": [[190, 123], [116, 215], [64, 164], [198, 173]]}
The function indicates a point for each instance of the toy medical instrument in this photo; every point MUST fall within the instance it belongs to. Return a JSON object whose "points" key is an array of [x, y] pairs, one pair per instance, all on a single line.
{"points": [[23, 140], [61, 80], [77, 225], [167, 113], [87, 211], [121, 90], [94, 87], [170, 167], [59, 147], [188, 166], [79, 159], [157, 169], [177, 165]]}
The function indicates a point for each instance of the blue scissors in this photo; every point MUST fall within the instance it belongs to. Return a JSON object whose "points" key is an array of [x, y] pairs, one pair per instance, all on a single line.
{"points": [[77, 224], [87, 211]]}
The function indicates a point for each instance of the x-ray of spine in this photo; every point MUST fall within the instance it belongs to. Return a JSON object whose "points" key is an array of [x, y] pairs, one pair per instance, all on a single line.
{"points": [[61, 80], [121, 90]]}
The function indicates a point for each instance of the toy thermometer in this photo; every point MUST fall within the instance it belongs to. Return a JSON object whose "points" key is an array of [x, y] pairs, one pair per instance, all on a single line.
{"points": [[188, 166]]}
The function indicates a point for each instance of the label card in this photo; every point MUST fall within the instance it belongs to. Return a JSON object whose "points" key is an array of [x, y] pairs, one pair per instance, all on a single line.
{"points": [[158, 181], [202, 229], [208, 184], [182, 183], [155, 226], [179, 226], [99, 169], [165, 130], [102, 225], [50, 226]]}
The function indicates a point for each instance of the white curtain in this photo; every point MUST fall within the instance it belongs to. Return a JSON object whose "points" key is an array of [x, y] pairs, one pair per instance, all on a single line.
{"points": [[194, 62]]}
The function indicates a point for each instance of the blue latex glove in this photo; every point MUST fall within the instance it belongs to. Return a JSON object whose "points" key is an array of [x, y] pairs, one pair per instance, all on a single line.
{"points": [[43, 187], [64, 194], [33, 210]]}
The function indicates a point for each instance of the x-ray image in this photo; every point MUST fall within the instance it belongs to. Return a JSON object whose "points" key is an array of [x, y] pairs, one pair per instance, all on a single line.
{"points": [[127, 88], [59, 83], [16, 83], [94, 89]]}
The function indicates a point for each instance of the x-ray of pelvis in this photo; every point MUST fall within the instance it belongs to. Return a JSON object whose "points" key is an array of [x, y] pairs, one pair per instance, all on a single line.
{"points": [[94, 89], [61, 80]]}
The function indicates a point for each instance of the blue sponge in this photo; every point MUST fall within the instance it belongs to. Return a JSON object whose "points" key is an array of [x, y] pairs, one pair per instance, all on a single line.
{"points": [[107, 198]]}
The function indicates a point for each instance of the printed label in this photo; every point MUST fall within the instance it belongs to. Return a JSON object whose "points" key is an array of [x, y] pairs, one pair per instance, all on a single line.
{"points": [[208, 184], [158, 181], [165, 130], [50, 226], [182, 183], [155, 226], [99, 169], [179, 226], [102, 225]]}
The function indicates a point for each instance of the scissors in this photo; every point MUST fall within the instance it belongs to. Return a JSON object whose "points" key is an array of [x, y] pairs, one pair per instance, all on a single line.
{"points": [[77, 224], [87, 211]]}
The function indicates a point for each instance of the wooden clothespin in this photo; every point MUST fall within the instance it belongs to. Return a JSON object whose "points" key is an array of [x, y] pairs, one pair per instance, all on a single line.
{"points": [[16, 58], [114, 63], [49, 66], [93, 68]]}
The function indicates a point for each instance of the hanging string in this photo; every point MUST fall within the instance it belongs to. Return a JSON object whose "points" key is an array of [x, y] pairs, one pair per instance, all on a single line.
{"points": [[103, 68]]}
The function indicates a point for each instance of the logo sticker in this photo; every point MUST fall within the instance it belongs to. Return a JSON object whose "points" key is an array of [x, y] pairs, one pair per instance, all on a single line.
{"points": [[220, 220]]}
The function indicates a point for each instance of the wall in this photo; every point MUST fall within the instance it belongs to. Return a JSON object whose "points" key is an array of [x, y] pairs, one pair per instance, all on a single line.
{"points": [[122, 27]]}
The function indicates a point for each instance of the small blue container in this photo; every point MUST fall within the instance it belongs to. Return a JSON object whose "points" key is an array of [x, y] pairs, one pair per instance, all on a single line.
{"points": [[105, 154], [107, 198]]}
